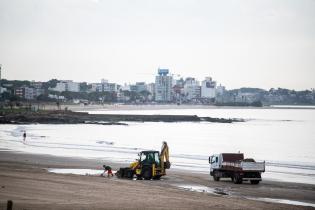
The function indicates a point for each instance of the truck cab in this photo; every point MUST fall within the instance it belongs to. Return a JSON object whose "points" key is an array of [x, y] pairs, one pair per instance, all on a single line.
{"points": [[214, 162]]}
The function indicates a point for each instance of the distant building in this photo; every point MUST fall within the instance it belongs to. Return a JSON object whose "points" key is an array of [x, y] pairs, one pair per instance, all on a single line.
{"points": [[19, 92], [141, 86], [60, 87], [96, 87], [113, 87], [151, 88], [208, 88], [104, 86], [67, 85], [73, 86], [220, 90], [37, 85], [163, 86], [125, 87], [28, 92], [2, 90], [192, 89]]}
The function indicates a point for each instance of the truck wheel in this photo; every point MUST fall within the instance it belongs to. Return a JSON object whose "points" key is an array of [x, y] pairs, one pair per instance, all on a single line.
{"points": [[237, 179], [216, 176], [147, 173], [254, 181]]}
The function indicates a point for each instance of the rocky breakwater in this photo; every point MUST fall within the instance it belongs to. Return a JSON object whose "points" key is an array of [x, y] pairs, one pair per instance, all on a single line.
{"points": [[69, 117]]}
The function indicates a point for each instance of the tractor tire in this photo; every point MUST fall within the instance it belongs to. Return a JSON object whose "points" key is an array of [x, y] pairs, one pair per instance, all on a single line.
{"points": [[216, 176], [157, 177], [139, 177], [129, 173], [120, 173], [147, 173]]}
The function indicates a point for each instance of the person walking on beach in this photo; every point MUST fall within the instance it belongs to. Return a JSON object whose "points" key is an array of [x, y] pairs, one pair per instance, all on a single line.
{"points": [[24, 136], [108, 169]]}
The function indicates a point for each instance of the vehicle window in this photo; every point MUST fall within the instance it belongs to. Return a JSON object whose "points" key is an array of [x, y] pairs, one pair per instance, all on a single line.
{"points": [[157, 158], [143, 157], [151, 157], [216, 159]]}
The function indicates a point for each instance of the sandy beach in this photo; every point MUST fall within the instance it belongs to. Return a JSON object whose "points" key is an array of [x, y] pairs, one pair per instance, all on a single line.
{"points": [[25, 180]]}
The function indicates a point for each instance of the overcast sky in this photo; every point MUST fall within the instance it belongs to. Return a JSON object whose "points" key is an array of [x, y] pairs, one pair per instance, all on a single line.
{"points": [[238, 43]]}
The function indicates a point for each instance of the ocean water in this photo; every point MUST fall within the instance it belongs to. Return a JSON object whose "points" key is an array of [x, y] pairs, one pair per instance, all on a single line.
{"points": [[284, 138]]}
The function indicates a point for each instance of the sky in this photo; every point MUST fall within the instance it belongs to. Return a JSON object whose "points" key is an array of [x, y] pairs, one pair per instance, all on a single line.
{"points": [[239, 43]]}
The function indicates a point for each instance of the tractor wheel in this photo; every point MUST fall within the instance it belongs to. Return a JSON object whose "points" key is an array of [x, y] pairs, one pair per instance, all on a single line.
{"points": [[147, 173], [120, 173], [157, 177], [129, 173], [139, 177]]}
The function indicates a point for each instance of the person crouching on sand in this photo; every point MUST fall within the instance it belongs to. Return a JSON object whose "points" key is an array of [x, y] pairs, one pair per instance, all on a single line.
{"points": [[108, 169]]}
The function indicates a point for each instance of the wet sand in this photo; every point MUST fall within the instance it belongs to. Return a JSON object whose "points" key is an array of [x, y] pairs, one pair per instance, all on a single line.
{"points": [[25, 180]]}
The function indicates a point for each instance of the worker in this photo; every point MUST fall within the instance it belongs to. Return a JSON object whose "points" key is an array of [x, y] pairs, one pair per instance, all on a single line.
{"points": [[109, 171], [24, 136]]}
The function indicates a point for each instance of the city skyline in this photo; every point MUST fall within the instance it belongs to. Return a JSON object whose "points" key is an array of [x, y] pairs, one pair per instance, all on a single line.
{"points": [[263, 44]]}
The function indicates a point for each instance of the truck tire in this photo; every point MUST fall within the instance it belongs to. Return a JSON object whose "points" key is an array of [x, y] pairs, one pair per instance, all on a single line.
{"points": [[216, 176], [237, 179], [254, 181], [147, 173]]}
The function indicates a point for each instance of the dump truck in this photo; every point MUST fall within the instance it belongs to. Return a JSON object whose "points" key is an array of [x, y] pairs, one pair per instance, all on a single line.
{"points": [[234, 166], [151, 164]]}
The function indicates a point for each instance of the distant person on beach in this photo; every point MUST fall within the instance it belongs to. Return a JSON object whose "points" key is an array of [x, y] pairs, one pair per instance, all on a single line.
{"points": [[109, 171], [24, 136]]}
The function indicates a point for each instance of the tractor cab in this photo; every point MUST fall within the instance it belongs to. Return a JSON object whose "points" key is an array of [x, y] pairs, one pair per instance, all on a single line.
{"points": [[149, 158]]}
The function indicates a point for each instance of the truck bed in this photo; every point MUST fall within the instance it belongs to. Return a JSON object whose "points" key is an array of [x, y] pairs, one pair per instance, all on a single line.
{"points": [[244, 166]]}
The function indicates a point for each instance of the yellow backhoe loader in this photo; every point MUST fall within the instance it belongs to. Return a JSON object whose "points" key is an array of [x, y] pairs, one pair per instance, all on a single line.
{"points": [[150, 165]]}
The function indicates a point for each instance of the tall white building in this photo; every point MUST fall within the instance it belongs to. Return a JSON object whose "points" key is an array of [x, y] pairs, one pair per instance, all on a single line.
{"points": [[60, 87], [72, 86], [191, 88], [151, 88], [67, 85], [208, 88], [220, 90], [163, 86], [96, 87]]}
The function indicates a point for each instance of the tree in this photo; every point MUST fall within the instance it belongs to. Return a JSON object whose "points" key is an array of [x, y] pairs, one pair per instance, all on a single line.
{"points": [[50, 84], [83, 87]]}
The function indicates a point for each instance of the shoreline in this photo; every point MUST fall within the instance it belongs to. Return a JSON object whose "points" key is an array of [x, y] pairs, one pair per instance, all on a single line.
{"points": [[119, 106], [19, 168]]}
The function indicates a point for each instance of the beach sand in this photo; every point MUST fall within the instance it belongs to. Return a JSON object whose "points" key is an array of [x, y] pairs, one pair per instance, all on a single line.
{"points": [[25, 180]]}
